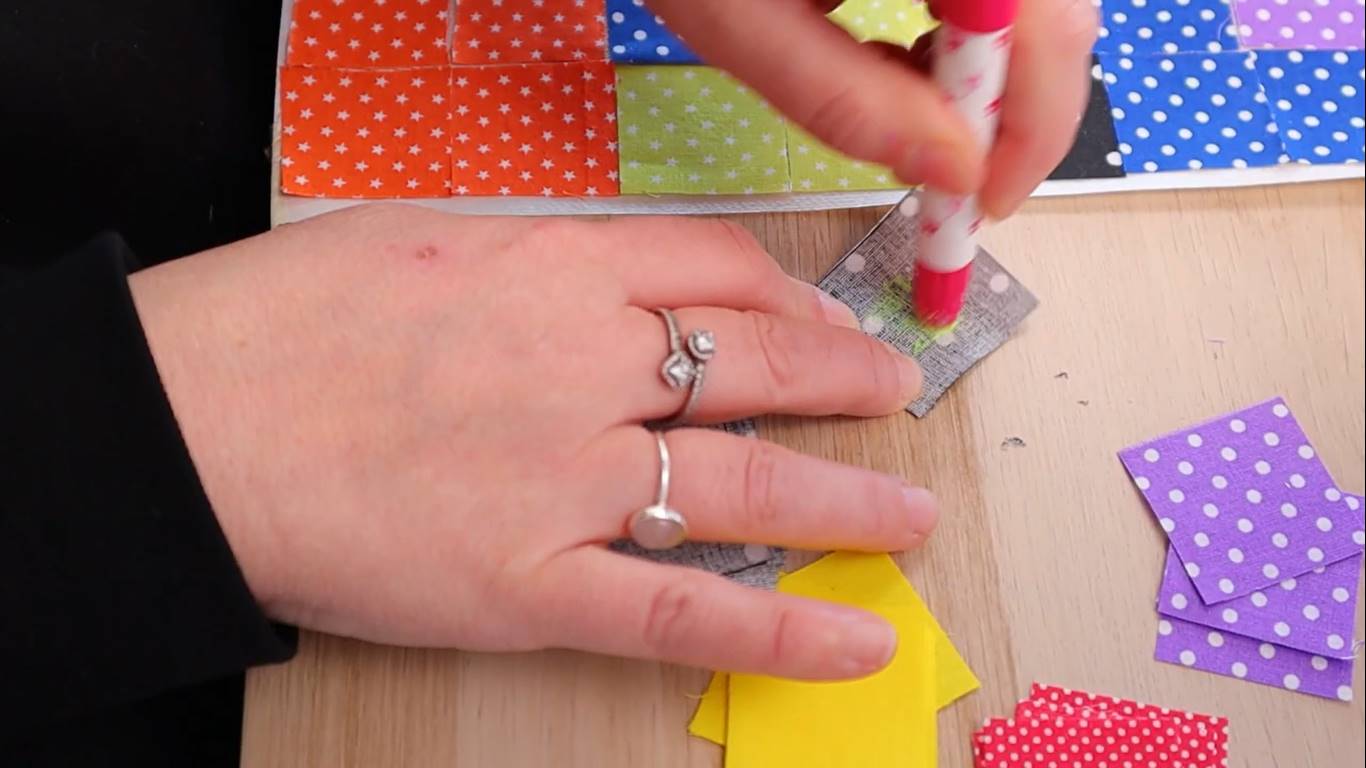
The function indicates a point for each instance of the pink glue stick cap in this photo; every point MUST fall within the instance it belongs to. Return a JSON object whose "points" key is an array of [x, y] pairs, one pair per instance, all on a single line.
{"points": [[977, 15]]}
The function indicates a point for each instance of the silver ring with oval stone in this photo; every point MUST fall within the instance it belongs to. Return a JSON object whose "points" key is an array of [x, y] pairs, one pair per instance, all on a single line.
{"points": [[657, 526], [686, 365]]}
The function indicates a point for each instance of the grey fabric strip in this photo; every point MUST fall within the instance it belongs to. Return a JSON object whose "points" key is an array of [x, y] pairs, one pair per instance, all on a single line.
{"points": [[874, 279]]}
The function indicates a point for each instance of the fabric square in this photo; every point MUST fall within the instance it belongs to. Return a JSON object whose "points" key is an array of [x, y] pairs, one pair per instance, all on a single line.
{"points": [[764, 575], [860, 579], [534, 129], [1098, 740], [635, 34], [368, 33], [887, 718], [874, 279], [695, 130], [898, 22], [517, 31], [1192, 645], [1074, 703], [1148, 26], [1300, 24], [1317, 102], [1095, 151], [1245, 501], [816, 167], [1312, 613], [364, 133], [1190, 111], [724, 559], [1064, 728]]}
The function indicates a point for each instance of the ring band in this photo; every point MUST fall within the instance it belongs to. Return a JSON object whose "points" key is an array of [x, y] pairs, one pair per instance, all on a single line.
{"points": [[685, 365], [657, 526]]}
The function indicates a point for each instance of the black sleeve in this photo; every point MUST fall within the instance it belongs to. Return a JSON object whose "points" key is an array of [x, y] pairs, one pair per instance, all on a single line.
{"points": [[116, 583]]}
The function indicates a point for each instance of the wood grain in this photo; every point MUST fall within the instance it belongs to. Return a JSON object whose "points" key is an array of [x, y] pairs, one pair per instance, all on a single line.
{"points": [[1160, 309]]}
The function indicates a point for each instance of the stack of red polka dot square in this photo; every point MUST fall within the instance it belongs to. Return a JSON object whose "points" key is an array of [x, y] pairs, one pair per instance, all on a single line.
{"points": [[1061, 728]]}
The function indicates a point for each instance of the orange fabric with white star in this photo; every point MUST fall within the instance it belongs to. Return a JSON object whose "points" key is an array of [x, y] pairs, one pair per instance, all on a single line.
{"points": [[365, 133], [547, 129], [529, 31], [368, 33]]}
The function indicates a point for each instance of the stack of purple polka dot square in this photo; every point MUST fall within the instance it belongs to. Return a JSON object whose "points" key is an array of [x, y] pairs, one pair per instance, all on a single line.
{"points": [[1264, 551]]}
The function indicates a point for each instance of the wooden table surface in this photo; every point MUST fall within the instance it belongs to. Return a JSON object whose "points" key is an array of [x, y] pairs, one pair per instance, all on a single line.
{"points": [[1161, 309]]}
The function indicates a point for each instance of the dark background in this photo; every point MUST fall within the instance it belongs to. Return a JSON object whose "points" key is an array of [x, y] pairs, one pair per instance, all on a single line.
{"points": [[150, 117]]}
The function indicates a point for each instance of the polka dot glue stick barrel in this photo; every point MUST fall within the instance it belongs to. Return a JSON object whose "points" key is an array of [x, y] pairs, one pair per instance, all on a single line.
{"points": [[970, 54]]}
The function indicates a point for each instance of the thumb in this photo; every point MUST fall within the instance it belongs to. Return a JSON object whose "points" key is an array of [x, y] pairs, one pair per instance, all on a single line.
{"points": [[848, 95]]}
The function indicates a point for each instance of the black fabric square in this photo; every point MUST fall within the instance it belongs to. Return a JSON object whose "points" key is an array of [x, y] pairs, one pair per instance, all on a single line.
{"points": [[1095, 153]]}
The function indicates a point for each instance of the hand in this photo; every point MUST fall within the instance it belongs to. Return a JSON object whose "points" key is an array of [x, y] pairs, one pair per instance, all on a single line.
{"points": [[877, 103], [421, 429]]}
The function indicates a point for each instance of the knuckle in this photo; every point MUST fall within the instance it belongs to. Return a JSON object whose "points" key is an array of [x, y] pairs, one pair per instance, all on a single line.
{"points": [[759, 486], [755, 268], [671, 617], [882, 506], [775, 344], [839, 117], [781, 644], [884, 383], [547, 236]]}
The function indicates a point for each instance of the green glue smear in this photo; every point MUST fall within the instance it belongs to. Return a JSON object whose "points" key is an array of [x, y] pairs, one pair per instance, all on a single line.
{"points": [[892, 304]]}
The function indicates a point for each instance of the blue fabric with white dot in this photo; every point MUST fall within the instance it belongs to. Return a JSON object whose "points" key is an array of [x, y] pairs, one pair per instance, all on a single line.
{"points": [[1190, 111], [1165, 26], [1316, 97], [636, 35], [1182, 94]]}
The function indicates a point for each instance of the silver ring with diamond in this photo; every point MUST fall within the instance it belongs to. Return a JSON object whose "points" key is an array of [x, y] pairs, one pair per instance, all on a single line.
{"points": [[657, 526], [686, 365]]}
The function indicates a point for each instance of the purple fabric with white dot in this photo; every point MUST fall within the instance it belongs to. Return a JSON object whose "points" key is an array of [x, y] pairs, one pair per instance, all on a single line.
{"points": [[1300, 24], [1245, 501], [1314, 613], [1198, 647]]}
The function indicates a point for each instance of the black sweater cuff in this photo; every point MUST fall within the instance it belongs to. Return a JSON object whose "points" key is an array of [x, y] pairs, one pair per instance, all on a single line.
{"points": [[116, 582]]}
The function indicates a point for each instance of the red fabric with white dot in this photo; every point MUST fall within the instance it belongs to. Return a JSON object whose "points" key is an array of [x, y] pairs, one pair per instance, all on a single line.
{"points": [[1062, 728]]}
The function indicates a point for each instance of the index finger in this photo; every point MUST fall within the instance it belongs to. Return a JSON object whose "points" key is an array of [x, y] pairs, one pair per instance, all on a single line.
{"points": [[846, 94], [680, 262]]}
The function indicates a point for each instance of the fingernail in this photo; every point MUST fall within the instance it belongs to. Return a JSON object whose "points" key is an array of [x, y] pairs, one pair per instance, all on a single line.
{"points": [[836, 312], [864, 643], [923, 509], [909, 377]]}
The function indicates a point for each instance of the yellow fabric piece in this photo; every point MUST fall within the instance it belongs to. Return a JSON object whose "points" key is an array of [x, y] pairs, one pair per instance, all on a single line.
{"points": [[886, 719], [891, 21], [855, 579], [709, 721]]}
